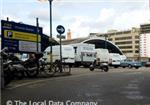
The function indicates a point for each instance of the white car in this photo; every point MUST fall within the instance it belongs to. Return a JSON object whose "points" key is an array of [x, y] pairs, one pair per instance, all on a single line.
{"points": [[115, 60]]}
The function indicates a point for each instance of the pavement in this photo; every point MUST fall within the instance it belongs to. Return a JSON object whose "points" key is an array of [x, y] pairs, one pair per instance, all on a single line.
{"points": [[83, 87]]}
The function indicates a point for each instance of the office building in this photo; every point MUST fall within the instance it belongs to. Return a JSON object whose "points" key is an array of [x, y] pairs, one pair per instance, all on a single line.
{"points": [[145, 41]]}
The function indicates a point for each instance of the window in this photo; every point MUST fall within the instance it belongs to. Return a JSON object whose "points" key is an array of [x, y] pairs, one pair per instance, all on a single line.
{"points": [[137, 42], [110, 39], [123, 38], [137, 37], [136, 46], [125, 47], [129, 51], [136, 51], [126, 42]]}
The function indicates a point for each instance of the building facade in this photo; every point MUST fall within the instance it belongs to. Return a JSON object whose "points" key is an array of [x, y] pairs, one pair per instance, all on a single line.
{"points": [[145, 41]]}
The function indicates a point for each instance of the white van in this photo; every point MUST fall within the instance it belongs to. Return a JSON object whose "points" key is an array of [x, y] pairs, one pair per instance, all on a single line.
{"points": [[85, 54], [102, 55], [68, 55]]}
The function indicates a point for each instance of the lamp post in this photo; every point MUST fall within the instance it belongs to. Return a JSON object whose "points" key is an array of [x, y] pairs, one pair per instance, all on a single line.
{"points": [[50, 14]]}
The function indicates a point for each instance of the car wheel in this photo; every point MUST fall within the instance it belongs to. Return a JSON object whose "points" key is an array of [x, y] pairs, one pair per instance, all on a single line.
{"points": [[130, 66]]}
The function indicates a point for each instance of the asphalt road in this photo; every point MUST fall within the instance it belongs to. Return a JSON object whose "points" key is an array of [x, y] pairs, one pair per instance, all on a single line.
{"points": [[83, 87]]}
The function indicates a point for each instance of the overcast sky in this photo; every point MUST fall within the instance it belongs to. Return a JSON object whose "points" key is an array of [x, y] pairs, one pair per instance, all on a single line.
{"points": [[80, 16]]}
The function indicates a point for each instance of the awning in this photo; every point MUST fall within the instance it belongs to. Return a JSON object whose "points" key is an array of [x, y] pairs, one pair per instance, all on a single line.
{"points": [[46, 41]]}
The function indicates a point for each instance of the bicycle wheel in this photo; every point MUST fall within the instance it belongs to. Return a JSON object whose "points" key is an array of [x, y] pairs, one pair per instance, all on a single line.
{"points": [[66, 68]]}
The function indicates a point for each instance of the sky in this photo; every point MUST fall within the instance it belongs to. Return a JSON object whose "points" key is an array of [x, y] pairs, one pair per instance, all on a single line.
{"points": [[80, 16]]}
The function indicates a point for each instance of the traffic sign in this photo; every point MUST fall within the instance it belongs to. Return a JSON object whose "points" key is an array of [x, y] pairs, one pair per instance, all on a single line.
{"points": [[61, 36], [60, 29]]}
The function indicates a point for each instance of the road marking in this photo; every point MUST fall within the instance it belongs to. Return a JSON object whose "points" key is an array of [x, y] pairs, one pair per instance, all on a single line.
{"points": [[25, 84], [95, 86], [38, 85], [135, 97], [132, 90], [49, 79], [99, 100], [134, 81], [134, 73], [132, 86], [91, 94]]}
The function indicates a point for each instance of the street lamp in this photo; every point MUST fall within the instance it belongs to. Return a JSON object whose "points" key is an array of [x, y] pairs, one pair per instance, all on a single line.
{"points": [[50, 13]]}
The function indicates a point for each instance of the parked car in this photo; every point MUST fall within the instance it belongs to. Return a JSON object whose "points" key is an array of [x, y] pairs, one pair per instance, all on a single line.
{"points": [[147, 64], [130, 64], [115, 60]]}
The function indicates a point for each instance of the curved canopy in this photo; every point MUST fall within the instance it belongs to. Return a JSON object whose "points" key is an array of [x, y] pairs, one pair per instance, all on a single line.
{"points": [[100, 43]]}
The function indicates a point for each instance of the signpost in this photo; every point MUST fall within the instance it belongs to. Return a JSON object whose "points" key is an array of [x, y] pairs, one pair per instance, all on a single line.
{"points": [[60, 29], [20, 38]]}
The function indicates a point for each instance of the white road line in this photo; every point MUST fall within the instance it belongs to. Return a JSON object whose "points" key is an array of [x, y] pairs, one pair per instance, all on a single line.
{"points": [[24, 84], [132, 86], [135, 97], [132, 90], [44, 80]]}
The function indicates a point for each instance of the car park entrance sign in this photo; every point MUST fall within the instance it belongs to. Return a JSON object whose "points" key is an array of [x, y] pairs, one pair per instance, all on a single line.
{"points": [[19, 37]]}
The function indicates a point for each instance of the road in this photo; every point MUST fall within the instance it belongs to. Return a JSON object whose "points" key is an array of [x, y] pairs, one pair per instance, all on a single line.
{"points": [[83, 87]]}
